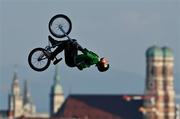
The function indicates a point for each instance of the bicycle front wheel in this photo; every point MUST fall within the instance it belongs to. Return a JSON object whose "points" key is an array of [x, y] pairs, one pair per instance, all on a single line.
{"points": [[37, 59], [58, 21]]}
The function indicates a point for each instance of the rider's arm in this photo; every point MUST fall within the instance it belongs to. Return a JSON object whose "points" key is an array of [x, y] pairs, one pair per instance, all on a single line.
{"points": [[92, 57], [87, 59]]}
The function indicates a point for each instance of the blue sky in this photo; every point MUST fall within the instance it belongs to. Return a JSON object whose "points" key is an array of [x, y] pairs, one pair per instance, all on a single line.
{"points": [[120, 30]]}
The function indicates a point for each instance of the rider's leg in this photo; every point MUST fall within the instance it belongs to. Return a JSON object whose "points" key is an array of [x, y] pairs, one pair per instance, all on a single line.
{"points": [[78, 46], [71, 55], [59, 49]]}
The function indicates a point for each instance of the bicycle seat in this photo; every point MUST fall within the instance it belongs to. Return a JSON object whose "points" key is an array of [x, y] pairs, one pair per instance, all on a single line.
{"points": [[52, 41]]}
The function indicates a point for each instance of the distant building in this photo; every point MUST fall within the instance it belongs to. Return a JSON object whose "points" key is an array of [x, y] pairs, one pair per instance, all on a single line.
{"points": [[99, 107], [20, 104], [177, 111], [29, 109], [15, 99], [102, 107], [160, 101], [56, 94]]}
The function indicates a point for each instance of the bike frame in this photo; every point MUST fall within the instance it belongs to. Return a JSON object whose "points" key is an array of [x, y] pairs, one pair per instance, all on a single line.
{"points": [[49, 47]]}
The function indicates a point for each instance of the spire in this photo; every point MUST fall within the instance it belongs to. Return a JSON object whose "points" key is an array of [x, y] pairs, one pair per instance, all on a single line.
{"points": [[57, 94], [15, 76], [28, 106], [27, 98], [56, 88], [15, 84], [15, 80]]}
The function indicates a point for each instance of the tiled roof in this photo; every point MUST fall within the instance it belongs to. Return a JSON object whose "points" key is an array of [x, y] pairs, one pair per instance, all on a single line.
{"points": [[32, 118], [101, 107]]}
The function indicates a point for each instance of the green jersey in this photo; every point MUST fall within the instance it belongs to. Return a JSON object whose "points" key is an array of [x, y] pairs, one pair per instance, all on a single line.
{"points": [[87, 59]]}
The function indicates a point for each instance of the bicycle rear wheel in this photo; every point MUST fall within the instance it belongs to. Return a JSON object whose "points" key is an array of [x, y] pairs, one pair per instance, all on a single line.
{"points": [[58, 21], [38, 60]]}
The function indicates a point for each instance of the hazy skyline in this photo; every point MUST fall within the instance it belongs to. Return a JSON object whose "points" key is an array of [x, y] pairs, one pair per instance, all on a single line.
{"points": [[117, 29]]}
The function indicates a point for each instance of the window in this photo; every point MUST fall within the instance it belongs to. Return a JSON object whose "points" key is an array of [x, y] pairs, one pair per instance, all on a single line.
{"points": [[153, 71]]}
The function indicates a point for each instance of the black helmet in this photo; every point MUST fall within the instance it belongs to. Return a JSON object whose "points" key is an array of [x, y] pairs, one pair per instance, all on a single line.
{"points": [[103, 65]]}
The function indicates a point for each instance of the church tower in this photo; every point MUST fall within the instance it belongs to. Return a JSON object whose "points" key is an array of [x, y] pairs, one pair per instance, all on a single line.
{"points": [[169, 102], [159, 102], [15, 98], [154, 92], [28, 106], [56, 95]]}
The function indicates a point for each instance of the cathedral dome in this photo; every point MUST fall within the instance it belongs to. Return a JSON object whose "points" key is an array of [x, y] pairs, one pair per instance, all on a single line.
{"points": [[167, 52], [154, 51]]}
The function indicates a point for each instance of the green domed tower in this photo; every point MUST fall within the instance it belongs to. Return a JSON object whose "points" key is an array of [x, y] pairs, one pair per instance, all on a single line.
{"points": [[167, 52], [154, 51], [168, 65], [57, 95], [154, 83], [159, 84]]}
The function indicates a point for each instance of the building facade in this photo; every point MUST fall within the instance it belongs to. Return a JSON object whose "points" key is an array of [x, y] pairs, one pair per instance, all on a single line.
{"points": [[101, 106], [15, 98], [160, 96], [56, 94], [177, 111], [20, 104]]}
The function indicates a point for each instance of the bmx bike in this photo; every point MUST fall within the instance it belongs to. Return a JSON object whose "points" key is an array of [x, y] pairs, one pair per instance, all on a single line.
{"points": [[59, 26]]}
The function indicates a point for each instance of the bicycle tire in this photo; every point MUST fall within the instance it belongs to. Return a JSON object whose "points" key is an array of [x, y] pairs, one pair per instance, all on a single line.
{"points": [[63, 17], [31, 64]]}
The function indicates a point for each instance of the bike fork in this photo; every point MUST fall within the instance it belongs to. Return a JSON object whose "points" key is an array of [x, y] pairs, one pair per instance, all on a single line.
{"points": [[60, 27]]}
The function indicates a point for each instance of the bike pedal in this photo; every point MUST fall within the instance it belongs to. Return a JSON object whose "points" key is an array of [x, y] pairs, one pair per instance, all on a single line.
{"points": [[57, 61]]}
